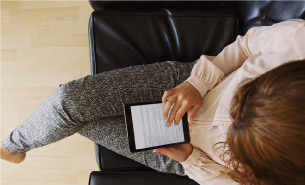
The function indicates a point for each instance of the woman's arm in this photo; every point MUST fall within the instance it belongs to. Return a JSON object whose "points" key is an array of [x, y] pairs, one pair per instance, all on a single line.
{"points": [[206, 74], [198, 166]]}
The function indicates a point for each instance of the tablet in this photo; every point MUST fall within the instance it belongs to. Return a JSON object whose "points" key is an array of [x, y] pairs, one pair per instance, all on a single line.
{"points": [[147, 129]]}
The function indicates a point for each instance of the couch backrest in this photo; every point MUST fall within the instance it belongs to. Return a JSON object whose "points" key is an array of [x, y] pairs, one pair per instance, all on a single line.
{"points": [[250, 13], [131, 33], [122, 38], [265, 13]]}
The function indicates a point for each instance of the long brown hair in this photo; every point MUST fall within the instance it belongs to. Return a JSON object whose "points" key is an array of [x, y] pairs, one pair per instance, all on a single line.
{"points": [[267, 138]]}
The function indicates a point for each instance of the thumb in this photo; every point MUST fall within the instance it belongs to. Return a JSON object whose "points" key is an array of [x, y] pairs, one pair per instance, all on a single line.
{"points": [[164, 151]]}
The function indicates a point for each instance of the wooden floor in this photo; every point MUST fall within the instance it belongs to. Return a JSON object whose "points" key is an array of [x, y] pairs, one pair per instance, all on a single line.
{"points": [[44, 44]]}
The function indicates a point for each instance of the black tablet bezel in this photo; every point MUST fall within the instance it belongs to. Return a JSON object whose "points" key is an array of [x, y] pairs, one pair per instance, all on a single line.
{"points": [[130, 130]]}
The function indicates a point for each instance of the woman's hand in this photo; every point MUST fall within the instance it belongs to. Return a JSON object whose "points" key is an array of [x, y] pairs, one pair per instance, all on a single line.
{"points": [[184, 97], [178, 152]]}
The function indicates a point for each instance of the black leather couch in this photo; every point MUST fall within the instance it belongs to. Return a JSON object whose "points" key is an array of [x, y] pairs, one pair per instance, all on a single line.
{"points": [[124, 33]]}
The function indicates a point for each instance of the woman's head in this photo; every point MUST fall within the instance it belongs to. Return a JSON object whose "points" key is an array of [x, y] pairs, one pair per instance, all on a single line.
{"points": [[267, 136]]}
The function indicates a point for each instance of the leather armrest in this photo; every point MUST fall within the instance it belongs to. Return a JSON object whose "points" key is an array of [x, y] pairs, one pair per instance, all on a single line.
{"points": [[138, 178], [108, 160]]}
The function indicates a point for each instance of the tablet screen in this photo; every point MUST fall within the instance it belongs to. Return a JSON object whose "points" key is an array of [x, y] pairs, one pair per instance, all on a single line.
{"points": [[150, 128]]}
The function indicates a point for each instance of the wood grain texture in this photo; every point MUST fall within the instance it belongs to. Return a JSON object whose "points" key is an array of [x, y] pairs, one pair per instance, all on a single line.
{"points": [[43, 44]]}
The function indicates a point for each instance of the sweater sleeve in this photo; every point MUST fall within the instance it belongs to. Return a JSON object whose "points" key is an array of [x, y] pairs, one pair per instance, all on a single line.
{"points": [[278, 38], [206, 73], [199, 167]]}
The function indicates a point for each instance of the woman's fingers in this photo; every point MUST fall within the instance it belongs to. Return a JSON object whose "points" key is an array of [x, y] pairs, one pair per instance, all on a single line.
{"points": [[183, 109], [177, 152], [193, 111], [166, 95], [172, 115], [161, 150], [182, 98], [177, 111], [168, 104], [169, 151]]}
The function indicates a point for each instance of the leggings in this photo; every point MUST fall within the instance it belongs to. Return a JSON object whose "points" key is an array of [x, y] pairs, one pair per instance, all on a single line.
{"points": [[93, 107]]}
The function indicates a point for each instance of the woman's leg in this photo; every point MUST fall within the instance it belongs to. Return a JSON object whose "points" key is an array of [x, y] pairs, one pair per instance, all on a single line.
{"points": [[75, 104], [111, 133]]}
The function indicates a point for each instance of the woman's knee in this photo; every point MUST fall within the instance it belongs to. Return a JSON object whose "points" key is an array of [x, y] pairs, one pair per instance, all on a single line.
{"points": [[70, 99]]}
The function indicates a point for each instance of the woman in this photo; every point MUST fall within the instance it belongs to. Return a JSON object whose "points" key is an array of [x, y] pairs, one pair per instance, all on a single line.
{"points": [[256, 139]]}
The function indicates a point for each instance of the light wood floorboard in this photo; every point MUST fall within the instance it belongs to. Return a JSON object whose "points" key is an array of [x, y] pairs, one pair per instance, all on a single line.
{"points": [[43, 44]]}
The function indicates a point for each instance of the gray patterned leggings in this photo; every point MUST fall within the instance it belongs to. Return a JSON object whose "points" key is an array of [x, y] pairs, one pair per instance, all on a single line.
{"points": [[93, 107]]}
